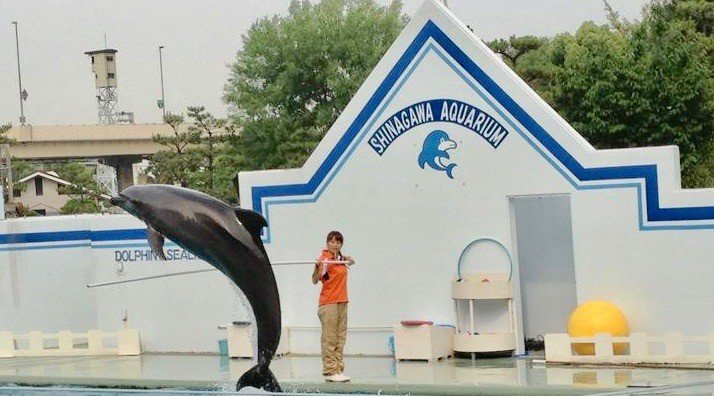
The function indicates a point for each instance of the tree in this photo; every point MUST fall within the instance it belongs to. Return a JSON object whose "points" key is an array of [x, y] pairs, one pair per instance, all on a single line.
{"points": [[4, 139], [700, 12], [515, 47], [214, 133], [196, 155], [175, 164], [296, 73], [19, 168], [526, 56], [631, 85], [83, 190]]}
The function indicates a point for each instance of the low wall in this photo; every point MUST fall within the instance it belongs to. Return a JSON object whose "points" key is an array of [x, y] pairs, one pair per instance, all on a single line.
{"points": [[46, 264]]}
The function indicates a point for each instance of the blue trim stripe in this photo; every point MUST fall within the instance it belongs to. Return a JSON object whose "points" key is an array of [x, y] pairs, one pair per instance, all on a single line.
{"points": [[262, 195], [87, 236], [42, 247], [51, 236]]}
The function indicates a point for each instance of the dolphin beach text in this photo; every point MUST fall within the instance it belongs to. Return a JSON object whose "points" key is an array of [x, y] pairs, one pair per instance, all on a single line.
{"points": [[132, 255]]}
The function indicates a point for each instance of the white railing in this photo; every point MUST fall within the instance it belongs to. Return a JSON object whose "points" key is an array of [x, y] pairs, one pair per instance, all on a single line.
{"points": [[124, 342], [639, 348]]}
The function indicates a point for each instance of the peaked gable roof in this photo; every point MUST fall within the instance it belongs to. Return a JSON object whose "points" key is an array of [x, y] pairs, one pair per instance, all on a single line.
{"points": [[51, 176], [47, 175], [585, 168]]}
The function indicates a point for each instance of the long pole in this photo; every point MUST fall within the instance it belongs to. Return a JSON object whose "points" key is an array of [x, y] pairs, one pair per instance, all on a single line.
{"points": [[19, 75], [92, 286], [161, 72]]}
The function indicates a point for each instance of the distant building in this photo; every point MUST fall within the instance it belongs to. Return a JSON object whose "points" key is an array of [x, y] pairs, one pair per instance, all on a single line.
{"points": [[42, 193], [116, 145]]}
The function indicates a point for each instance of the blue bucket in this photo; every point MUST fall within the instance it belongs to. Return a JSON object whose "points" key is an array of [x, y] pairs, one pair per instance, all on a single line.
{"points": [[223, 347]]}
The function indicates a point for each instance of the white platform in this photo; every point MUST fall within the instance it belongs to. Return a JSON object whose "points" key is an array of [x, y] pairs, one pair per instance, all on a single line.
{"points": [[674, 348], [125, 342], [425, 342], [240, 341]]}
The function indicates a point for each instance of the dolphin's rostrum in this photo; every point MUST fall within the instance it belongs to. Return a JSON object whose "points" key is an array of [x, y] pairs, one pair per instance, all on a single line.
{"points": [[227, 238]]}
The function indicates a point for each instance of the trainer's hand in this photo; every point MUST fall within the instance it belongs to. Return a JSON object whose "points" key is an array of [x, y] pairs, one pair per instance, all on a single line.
{"points": [[350, 260]]}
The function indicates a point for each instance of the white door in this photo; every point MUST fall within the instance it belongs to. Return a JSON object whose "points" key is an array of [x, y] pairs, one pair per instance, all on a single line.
{"points": [[544, 242]]}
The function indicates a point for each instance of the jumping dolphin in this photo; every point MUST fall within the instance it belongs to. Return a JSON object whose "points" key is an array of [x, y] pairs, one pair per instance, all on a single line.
{"points": [[225, 237], [434, 151]]}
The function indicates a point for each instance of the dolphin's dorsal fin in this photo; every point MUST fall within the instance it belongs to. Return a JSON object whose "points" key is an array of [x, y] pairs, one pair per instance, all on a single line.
{"points": [[252, 221]]}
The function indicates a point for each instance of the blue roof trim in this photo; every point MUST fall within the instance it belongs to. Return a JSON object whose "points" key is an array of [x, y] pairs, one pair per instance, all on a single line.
{"points": [[646, 172]]}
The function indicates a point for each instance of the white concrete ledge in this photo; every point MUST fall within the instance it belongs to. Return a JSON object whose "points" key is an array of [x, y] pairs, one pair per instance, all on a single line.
{"points": [[125, 342], [642, 349]]}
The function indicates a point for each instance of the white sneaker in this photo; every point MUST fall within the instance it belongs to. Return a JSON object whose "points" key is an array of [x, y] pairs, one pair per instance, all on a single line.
{"points": [[337, 378]]}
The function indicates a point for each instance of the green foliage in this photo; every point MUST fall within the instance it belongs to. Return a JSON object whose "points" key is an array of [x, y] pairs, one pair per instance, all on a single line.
{"points": [[20, 169], [22, 211], [515, 47], [699, 12], [83, 191], [180, 159], [79, 205], [197, 154], [295, 74], [526, 57], [633, 84], [4, 128]]}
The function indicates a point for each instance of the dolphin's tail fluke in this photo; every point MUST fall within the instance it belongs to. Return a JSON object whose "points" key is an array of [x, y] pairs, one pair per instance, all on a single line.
{"points": [[449, 169], [259, 377]]}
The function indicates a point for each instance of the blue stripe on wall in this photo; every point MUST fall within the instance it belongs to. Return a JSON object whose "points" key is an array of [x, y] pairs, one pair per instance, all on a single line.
{"points": [[647, 172], [78, 235]]}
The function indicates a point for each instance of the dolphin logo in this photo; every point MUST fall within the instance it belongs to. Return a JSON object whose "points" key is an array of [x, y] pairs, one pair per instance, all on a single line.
{"points": [[228, 239], [434, 152]]}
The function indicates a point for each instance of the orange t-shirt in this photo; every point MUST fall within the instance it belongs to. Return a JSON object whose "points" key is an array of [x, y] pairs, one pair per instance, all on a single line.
{"points": [[334, 283]]}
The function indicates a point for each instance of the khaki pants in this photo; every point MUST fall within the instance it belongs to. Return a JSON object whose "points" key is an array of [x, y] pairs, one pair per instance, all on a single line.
{"points": [[334, 333]]}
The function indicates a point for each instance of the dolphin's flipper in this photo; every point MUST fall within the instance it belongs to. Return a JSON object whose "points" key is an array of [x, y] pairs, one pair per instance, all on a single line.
{"points": [[449, 169], [252, 221], [259, 377], [156, 241]]}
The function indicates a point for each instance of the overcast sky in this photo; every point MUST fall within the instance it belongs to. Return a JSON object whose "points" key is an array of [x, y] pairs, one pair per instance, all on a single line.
{"points": [[200, 39]]}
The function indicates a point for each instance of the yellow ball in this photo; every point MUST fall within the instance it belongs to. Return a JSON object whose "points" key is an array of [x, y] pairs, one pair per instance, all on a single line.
{"points": [[595, 317]]}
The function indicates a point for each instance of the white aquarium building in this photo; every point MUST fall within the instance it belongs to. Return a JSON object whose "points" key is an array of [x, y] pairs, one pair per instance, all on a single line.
{"points": [[441, 146]]}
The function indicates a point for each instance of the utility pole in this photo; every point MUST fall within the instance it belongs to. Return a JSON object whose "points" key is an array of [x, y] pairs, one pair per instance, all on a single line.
{"points": [[6, 168], [161, 73], [23, 94]]}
